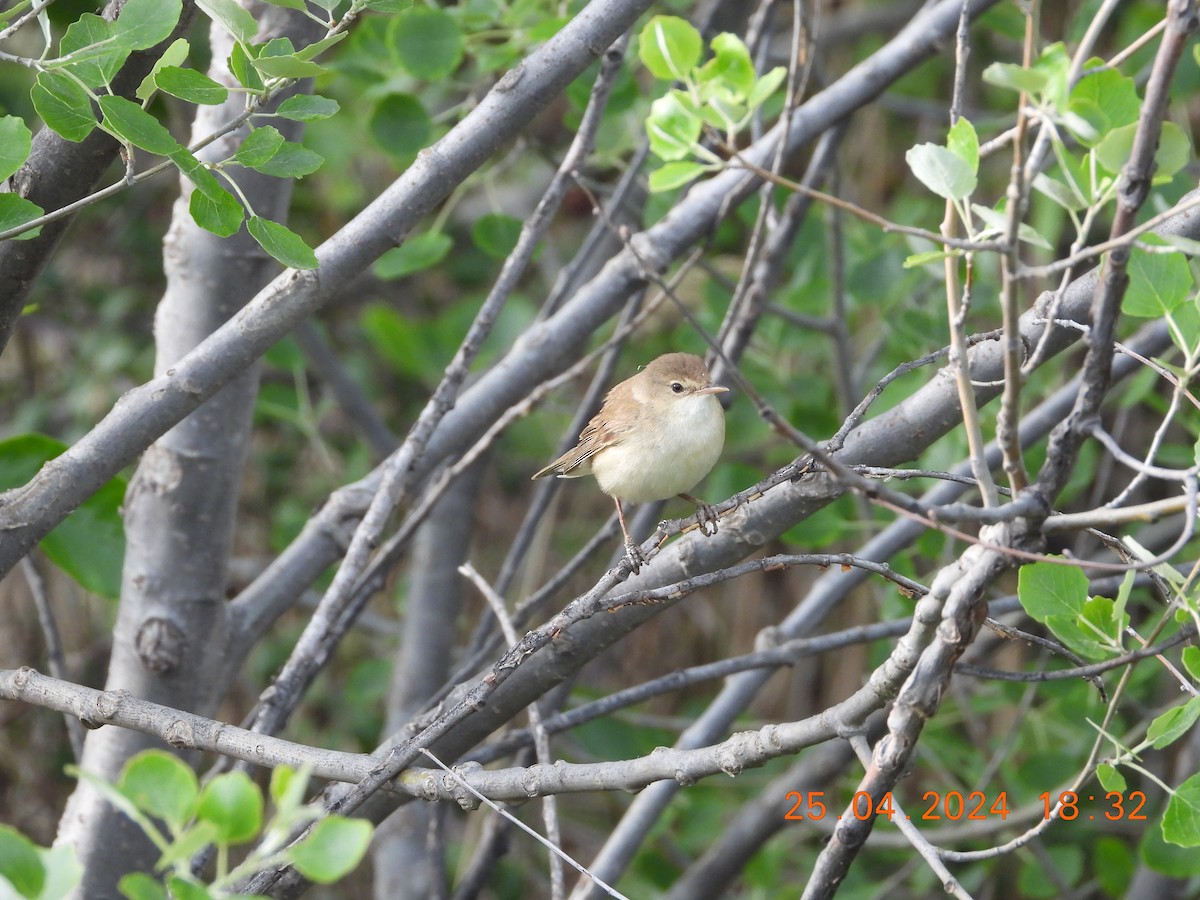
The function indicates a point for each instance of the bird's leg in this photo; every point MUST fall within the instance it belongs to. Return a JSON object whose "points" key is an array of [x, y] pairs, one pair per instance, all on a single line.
{"points": [[706, 516], [632, 550]]}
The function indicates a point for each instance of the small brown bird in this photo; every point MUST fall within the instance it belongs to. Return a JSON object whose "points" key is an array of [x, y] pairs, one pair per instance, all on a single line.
{"points": [[656, 436]]}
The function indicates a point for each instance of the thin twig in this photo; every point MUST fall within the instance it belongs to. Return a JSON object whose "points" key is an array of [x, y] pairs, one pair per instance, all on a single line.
{"points": [[55, 657], [1009, 418], [958, 299]]}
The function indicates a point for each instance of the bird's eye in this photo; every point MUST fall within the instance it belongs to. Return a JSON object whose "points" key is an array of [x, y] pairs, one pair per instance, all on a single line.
{"points": [[676, 387]]}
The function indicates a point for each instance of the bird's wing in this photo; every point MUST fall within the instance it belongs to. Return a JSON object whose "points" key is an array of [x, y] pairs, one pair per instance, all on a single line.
{"points": [[596, 436]]}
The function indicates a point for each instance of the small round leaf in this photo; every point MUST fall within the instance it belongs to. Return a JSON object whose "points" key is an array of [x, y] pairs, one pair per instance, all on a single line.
{"points": [[335, 846], [427, 42], [400, 124], [160, 784], [234, 804], [20, 863], [670, 47], [496, 234]]}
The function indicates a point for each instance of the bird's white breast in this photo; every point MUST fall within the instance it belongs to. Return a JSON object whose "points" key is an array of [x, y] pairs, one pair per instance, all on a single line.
{"points": [[657, 463]]}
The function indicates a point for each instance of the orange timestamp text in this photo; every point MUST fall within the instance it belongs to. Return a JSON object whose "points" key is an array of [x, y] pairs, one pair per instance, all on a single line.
{"points": [[955, 806]]}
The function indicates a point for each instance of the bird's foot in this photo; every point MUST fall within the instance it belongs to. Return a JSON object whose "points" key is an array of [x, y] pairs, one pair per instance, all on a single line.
{"points": [[635, 555], [706, 519]]}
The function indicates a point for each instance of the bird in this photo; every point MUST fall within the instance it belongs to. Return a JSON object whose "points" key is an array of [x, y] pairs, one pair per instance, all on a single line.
{"points": [[657, 434]]}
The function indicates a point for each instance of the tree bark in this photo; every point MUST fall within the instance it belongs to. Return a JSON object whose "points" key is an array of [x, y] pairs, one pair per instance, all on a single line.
{"points": [[171, 638]]}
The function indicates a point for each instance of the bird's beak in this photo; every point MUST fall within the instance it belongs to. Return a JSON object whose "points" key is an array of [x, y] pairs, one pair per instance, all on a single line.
{"points": [[712, 389]]}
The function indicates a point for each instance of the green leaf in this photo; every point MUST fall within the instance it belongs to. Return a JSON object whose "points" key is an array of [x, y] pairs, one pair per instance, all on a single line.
{"points": [[297, 5], [185, 888], [400, 124], [307, 108], [1110, 778], [427, 42], [496, 234], [1173, 724], [1185, 319], [1123, 594], [419, 252], [141, 24], [1065, 860], [316, 48], [89, 544], [287, 67], [190, 85], [16, 140], [20, 862], [282, 243], [236, 20], [162, 785], [1115, 864], [287, 789], [1158, 283], [172, 56], [63, 872], [1057, 596], [197, 173], [673, 128], [1104, 100], [219, 212], [1090, 626], [1058, 191], [291, 160], [234, 804], [722, 108], [941, 170], [141, 886], [963, 142], [1082, 640], [64, 105], [16, 211], [672, 175], [1173, 152], [1046, 79], [397, 340], [332, 850], [90, 49], [198, 836], [1015, 77], [1056, 64], [243, 70], [1191, 661], [1101, 622], [1181, 819], [1168, 859], [914, 260], [670, 48], [279, 46], [259, 146], [123, 804], [997, 220], [731, 64], [1047, 589], [765, 87], [129, 121]]}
